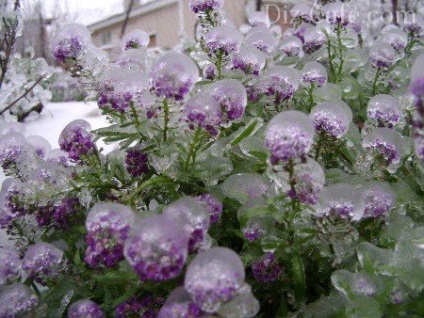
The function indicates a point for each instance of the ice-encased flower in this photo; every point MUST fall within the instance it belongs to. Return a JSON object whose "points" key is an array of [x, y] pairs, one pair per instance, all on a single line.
{"points": [[379, 199], [10, 265], [179, 305], [157, 248], [292, 46], [213, 204], [214, 277], [250, 60], [385, 143], [342, 200], [14, 150], [11, 202], [205, 5], [398, 39], [12, 127], [202, 110], [108, 227], [309, 180], [173, 76], [313, 40], [66, 212], [262, 40], [132, 59], [231, 96], [16, 300], [70, 42], [77, 140], [382, 55], [41, 145], [384, 110], [42, 260], [243, 305], [210, 72], [337, 12], [223, 38], [245, 186], [266, 269], [289, 136], [414, 24], [259, 18], [302, 10], [136, 162], [147, 307], [279, 82], [314, 73], [136, 39], [85, 308], [194, 217], [333, 118]]}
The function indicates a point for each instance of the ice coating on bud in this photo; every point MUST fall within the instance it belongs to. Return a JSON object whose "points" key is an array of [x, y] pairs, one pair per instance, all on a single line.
{"points": [[205, 5], [214, 277], [414, 24], [314, 73], [108, 226], [384, 110], [14, 149], [245, 186], [173, 76], [313, 40], [342, 200], [179, 305], [146, 307], [223, 38], [57, 156], [85, 308], [76, 139], [42, 260], [70, 42], [210, 71], [259, 18], [11, 127], [398, 39], [16, 300], [379, 199], [266, 269], [136, 162], [250, 60], [194, 217], [279, 82], [337, 12], [289, 136], [354, 283], [385, 144], [157, 248], [202, 110], [132, 59], [136, 39], [213, 205], [10, 265], [333, 118], [40, 145], [258, 227], [244, 305], [309, 180], [303, 11], [263, 40], [292, 46], [231, 96], [11, 205], [382, 55]]}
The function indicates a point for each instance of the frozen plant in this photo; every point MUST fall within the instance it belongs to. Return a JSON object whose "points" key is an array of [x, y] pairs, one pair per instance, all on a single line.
{"points": [[332, 118], [85, 308], [136, 39]]}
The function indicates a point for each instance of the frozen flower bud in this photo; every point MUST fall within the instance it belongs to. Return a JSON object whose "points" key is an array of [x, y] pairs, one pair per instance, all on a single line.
{"points": [[213, 205], [147, 307], [313, 40], [342, 200], [289, 136], [194, 217], [11, 201], [385, 144], [245, 186], [292, 46], [136, 162], [259, 18], [414, 24], [263, 40], [398, 39], [333, 118], [10, 265], [137, 39], [77, 140], [214, 277], [202, 110], [266, 269], [133, 59], [40, 145], [231, 96], [258, 227], [314, 73], [379, 199], [16, 300], [250, 60], [382, 55], [198, 6], [302, 11], [66, 212], [210, 72], [108, 226], [57, 156], [70, 42], [244, 305], [179, 305], [337, 12], [173, 76], [157, 248], [279, 82], [85, 308], [384, 110], [42, 260], [223, 38], [14, 150], [309, 180]]}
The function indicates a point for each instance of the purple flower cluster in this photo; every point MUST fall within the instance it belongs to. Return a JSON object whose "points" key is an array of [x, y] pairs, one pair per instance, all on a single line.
{"points": [[136, 162], [85, 308], [214, 206], [313, 40], [280, 83], [11, 202], [309, 180], [10, 265], [292, 46], [333, 118], [77, 140], [250, 60], [382, 55], [379, 198], [210, 71], [108, 226], [261, 39], [385, 110], [198, 6], [147, 307], [253, 231], [137, 39], [223, 39], [157, 248], [266, 269], [231, 96], [66, 212], [44, 214], [17, 300], [70, 42], [179, 305], [14, 149], [314, 73]]}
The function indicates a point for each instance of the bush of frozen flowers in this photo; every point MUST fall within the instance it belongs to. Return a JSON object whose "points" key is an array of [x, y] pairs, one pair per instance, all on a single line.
{"points": [[269, 186]]}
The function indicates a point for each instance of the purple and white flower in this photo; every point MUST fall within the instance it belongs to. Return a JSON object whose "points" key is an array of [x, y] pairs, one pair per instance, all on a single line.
{"points": [[77, 140], [70, 42], [224, 39], [85, 308], [10, 265], [214, 206], [379, 199], [136, 39], [250, 60], [280, 82], [266, 269], [199, 6], [332, 118], [384, 110], [16, 300]]}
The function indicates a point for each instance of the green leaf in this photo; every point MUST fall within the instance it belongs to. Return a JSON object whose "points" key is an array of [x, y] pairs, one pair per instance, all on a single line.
{"points": [[247, 131], [299, 278]]}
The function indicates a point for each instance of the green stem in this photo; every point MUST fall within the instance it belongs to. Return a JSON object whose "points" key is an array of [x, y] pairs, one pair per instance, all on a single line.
{"points": [[374, 86], [165, 119], [319, 146], [219, 55], [145, 185], [290, 169], [340, 47], [330, 58], [311, 96], [193, 148]]}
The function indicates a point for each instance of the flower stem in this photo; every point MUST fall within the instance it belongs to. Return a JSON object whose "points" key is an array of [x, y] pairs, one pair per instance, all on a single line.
{"points": [[374, 86], [219, 55], [165, 119], [193, 148], [340, 47], [319, 146], [311, 97]]}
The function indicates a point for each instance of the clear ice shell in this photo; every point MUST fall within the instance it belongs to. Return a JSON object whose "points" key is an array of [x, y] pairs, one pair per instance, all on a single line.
{"points": [[333, 117], [139, 37], [245, 186]]}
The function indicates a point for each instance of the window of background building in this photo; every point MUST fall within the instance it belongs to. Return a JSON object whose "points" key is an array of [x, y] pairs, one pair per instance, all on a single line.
{"points": [[106, 38]]}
